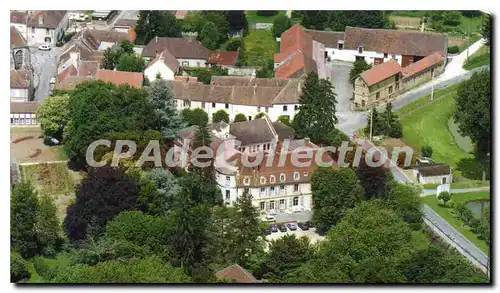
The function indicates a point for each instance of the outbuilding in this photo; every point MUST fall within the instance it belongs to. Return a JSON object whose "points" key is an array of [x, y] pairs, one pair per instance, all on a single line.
{"points": [[433, 174]]}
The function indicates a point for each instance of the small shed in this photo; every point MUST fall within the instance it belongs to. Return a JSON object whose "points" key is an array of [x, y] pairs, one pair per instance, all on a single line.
{"points": [[433, 174]]}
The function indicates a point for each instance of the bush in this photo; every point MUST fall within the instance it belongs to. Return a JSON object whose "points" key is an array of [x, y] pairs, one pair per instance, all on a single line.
{"points": [[453, 50], [445, 196], [220, 115], [260, 115], [267, 12], [240, 118], [233, 44], [18, 268], [426, 151], [67, 37]]}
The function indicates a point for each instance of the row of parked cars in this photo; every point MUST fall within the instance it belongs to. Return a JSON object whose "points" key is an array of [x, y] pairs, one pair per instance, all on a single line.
{"points": [[284, 227]]}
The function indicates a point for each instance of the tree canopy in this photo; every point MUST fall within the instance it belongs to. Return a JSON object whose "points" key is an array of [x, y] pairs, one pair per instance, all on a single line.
{"points": [[154, 23], [53, 114], [281, 23], [220, 115]]}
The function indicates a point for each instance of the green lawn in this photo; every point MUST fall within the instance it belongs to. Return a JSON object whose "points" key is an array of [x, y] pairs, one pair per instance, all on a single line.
{"points": [[409, 13], [448, 214], [479, 58], [462, 184], [260, 46], [425, 122], [253, 17], [463, 142], [50, 179]]}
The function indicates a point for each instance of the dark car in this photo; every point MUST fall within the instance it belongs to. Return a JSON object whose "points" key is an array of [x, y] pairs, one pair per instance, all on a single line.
{"points": [[282, 228], [266, 231], [292, 226], [273, 227], [303, 226], [310, 224]]}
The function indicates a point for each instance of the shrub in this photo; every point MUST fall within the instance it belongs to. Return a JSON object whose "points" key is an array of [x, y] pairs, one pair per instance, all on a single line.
{"points": [[445, 196], [221, 115], [267, 12], [260, 115], [233, 44], [18, 268], [453, 49], [426, 151], [240, 118]]}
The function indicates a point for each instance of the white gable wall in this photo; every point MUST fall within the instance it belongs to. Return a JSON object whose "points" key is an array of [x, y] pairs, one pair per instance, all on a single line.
{"points": [[350, 55], [192, 62], [161, 68]]}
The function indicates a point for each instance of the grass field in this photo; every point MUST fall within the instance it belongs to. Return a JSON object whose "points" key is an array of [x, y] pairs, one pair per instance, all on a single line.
{"points": [[49, 178], [462, 184], [448, 214], [260, 46], [425, 122], [479, 58], [463, 142], [253, 17]]}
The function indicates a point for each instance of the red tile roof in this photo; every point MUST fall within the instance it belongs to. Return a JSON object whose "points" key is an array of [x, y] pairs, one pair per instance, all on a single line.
{"points": [[422, 64], [20, 17], [380, 72], [70, 70], [296, 66], [223, 57], [294, 39], [133, 79], [47, 18], [19, 79], [237, 274]]}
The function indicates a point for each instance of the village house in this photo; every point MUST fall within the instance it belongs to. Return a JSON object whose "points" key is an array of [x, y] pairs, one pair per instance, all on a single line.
{"points": [[386, 81], [227, 60], [124, 25], [299, 54], [47, 26], [235, 273], [21, 85], [433, 174], [16, 38], [23, 113], [164, 66], [19, 19], [240, 94], [376, 46], [189, 53]]}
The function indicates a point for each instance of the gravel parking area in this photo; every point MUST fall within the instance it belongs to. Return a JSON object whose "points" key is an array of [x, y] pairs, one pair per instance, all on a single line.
{"points": [[311, 234]]}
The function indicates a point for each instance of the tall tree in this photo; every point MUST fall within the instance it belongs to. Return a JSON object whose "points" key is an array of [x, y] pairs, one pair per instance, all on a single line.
{"points": [[247, 224], [237, 20], [375, 180], [281, 23], [333, 192], [154, 23], [168, 118], [101, 195], [359, 67], [473, 110], [317, 109], [404, 199], [220, 19], [53, 114], [209, 36], [392, 125], [23, 215], [158, 189], [48, 226], [194, 117]]}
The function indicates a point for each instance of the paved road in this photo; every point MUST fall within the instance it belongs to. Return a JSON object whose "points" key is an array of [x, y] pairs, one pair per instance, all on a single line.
{"points": [[45, 67], [465, 247], [339, 74]]}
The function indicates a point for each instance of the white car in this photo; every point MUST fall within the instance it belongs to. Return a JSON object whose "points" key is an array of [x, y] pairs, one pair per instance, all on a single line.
{"points": [[268, 218], [44, 47], [52, 80]]}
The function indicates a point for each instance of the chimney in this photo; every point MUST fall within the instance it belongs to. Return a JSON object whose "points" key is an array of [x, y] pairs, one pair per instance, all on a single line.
{"points": [[156, 39], [40, 20]]}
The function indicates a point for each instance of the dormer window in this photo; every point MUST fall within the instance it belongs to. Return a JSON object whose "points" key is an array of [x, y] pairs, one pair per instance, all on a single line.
{"points": [[296, 176], [272, 179], [386, 55], [262, 180], [282, 177], [340, 45], [360, 50], [305, 174], [246, 181]]}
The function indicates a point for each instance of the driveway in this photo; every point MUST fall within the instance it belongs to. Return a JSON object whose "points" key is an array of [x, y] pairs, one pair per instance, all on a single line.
{"points": [[339, 73]]}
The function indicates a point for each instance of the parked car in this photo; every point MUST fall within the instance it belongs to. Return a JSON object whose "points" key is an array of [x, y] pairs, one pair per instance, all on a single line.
{"points": [[52, 80], [274, 228], [282, 228], [310, 224], [268, 218], [303, 226], [292, 226], [266, 231], [45, 47]]}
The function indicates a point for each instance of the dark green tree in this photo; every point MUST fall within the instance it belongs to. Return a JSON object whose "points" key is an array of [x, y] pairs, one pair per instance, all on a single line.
{"points": [[333, 192], [233, 44], [154, 23], [169, 122], [158, 189], [209, 36], [317, 109], [194, 117], [285, 119], [53, 115], [47, 226], [281, 23], [426, 151], [472, 115], [260, 115], [237, 20], [375, 180], [486, 29], [130, 62], [445, 196], [240, 118], [18, 268], [220, 115], [359, 67], [24, 211], [404, 199]]}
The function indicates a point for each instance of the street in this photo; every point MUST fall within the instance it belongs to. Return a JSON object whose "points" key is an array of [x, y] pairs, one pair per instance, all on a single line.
{"points": [[44, 65]]}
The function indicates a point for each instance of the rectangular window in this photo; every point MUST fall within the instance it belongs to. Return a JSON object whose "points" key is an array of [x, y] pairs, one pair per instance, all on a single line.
{"points": [[185, 63], [377, 96], [282, 188], [360, 50], [267, 109], [271, 204], [295, 187], [11, 120], [228, 178], [262, 205], [227, 106], [272, 189], [228, 194], [390, 89], [187, 103], [386, 55], [213, 105], [258, 109], [285, 108], [340, 46], [296, 107], [262, 190]]}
